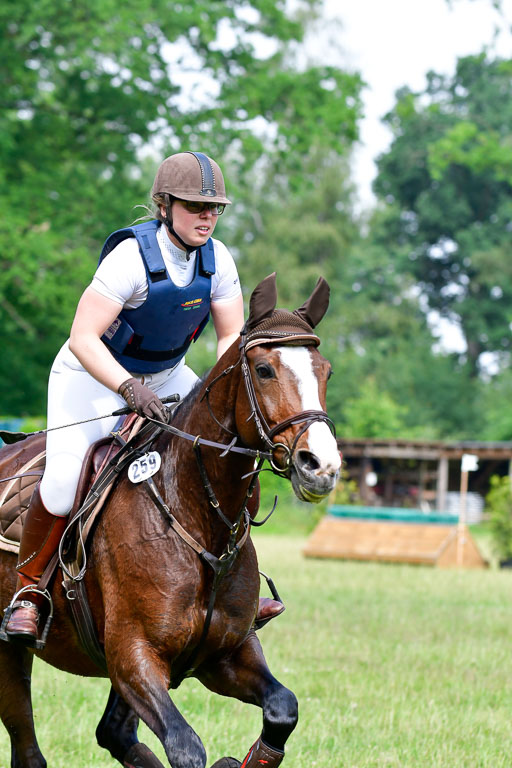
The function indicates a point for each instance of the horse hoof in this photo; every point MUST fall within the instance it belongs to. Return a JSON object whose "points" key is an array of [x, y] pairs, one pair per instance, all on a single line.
{"points": [[140, 756], [227, 762]]}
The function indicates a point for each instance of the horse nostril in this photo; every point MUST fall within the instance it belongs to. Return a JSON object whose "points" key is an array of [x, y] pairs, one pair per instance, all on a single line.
{"points": [[308, 461]]}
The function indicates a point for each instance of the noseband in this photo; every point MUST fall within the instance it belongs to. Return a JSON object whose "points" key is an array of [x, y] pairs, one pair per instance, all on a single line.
{"points": [[266, 433]]}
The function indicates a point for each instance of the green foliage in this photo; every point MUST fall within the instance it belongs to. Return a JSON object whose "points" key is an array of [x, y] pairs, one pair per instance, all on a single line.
{"points": [[496, 400], [447, 184], [375, 329], [373, 414], [499, 504], [301, 111], [466, 146], [40, 281], [290, 515], [304, 233]]}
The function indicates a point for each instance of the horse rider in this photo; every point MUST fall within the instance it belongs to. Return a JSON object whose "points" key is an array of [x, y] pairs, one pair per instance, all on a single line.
{"points": [[156, 285]]}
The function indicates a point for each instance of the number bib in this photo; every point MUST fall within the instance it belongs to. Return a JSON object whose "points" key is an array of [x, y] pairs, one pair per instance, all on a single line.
{"points": [[145, 467]]}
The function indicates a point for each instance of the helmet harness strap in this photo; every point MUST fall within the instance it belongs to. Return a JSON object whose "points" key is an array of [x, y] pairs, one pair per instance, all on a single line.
{"points": [[168, 223]]}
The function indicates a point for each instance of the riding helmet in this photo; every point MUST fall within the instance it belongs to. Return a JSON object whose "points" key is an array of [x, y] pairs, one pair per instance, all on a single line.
{"points": [[191, 176]]}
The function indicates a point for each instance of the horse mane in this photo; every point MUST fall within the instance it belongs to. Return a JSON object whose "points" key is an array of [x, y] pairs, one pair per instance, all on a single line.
{"points": [[186, 405]]}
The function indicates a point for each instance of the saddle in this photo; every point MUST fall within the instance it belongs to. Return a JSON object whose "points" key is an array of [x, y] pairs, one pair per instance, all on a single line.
{"points": [[30, 456]]}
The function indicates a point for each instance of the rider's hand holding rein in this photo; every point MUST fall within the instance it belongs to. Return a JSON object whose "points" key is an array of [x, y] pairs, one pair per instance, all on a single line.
{"points": [[142, 400]]}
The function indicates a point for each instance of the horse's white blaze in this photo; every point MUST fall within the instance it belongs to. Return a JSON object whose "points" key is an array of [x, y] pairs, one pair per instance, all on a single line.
{"points": [[321, 442]]}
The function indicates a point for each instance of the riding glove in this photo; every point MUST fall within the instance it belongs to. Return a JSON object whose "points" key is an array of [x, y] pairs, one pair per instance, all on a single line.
{"points": [[142, 400]]}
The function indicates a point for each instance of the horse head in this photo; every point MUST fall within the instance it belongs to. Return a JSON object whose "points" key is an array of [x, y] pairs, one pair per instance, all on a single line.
{"points": [[285, 379]]}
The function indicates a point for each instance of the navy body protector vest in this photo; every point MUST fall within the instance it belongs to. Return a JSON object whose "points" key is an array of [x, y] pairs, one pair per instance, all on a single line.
{"points": [[156, 335]]}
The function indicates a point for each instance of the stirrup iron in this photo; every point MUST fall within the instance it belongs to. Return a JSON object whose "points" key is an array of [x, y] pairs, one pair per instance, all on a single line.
{"points": [[40, 642]]}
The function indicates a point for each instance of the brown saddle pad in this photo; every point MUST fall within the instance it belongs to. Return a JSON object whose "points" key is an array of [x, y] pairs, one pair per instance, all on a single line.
{"points": [[27, 459]]}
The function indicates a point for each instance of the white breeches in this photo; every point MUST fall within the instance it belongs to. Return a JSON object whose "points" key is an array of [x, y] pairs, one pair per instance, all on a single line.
{"points": [[74, 395]]}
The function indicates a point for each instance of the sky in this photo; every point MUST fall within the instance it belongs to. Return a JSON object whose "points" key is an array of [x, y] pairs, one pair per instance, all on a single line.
{"points": [[396, 42]]}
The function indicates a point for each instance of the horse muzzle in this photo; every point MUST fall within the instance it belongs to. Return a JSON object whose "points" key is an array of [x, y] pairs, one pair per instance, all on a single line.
{"points": [[312, 480], [312, 462]]}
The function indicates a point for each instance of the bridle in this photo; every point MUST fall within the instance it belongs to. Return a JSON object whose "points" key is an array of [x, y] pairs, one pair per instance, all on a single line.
{"points": [[266, 433]]}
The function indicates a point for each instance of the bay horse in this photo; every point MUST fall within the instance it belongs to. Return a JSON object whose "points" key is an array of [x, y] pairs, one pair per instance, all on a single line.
{"points": [[149, 591]]}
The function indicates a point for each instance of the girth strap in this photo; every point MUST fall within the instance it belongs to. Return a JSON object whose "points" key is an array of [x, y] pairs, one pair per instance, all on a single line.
{"points": [[84, 622]]}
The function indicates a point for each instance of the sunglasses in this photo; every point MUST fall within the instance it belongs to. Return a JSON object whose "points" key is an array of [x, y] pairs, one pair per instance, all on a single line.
{"points": [[194, 206]]}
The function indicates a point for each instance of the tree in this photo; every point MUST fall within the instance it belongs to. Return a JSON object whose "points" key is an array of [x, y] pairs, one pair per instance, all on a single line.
{"points": [[374, 334], [301, 234], [87, 87], [499, 503], [495, 405], [373, 413], [446, 184]]}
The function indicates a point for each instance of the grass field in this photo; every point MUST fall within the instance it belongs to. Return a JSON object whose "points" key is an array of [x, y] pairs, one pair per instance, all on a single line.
{"points": [[393, 665]]}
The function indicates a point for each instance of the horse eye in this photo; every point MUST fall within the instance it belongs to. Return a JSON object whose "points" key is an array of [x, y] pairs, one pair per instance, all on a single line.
{"points": [[265, 371], [330, 374]]}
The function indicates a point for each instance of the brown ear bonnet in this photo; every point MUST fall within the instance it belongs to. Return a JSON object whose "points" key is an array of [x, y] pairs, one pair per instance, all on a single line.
{"points": [[266, 324]]}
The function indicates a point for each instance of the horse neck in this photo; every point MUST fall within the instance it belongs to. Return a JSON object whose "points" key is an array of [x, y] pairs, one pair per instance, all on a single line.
{"points": [[224, 473]]}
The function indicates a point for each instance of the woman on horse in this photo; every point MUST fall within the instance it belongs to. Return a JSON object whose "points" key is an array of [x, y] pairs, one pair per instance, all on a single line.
{"points": [[152, 294]]}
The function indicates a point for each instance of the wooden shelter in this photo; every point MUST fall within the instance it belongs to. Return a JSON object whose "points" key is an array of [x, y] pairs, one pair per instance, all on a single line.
{"points": [[404, 515], [420, 473]]}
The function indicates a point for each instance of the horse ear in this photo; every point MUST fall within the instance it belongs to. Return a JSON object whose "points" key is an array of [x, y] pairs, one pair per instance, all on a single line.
{"points": [[315, 307], [263, 301]]}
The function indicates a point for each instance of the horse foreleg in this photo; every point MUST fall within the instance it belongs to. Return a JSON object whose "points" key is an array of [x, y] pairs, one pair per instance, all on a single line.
{"points": [[16, 706], [245, 675], [142, 680], [117, 732]]}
